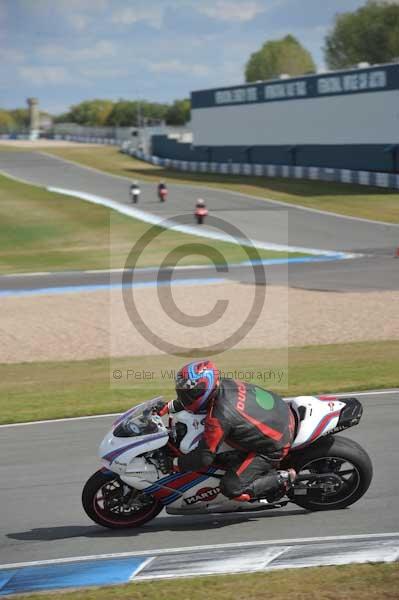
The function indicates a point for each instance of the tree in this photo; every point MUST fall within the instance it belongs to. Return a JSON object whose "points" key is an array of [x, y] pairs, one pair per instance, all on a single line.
{"points": [[21, 117], [128, 113], [179, 112], [369, 34], [90, 112], [7, 123], [279, 56]]}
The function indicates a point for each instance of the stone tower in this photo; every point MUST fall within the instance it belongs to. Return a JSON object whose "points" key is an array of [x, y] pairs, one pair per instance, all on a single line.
{"points": [[34, 118]]}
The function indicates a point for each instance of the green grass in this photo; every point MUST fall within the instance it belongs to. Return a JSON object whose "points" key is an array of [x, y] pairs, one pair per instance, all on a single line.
{"points": [[43, 231], [348, 582], [353, 200], [47, 390]]}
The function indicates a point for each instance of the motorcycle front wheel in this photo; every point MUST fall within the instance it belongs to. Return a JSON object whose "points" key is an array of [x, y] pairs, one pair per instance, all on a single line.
{"points": [[350, 468], [113, 504]]}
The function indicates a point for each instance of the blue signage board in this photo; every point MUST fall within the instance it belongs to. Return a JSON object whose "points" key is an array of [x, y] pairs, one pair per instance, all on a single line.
{"points": [[338, 83]]}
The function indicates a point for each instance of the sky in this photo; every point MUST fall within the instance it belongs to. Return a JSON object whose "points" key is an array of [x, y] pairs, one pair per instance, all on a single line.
{"points": [[66, 51]]}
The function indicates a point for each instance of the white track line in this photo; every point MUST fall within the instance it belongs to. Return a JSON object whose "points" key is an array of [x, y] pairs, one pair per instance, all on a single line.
{"points": [[107, 415], [66, 419], [153, 553], [143, 565], [213, 189], [153, 219], [168, 223]]}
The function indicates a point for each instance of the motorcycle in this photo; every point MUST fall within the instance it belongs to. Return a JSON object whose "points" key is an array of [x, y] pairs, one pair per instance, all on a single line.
{"points": [[200, 213], [163, 194], [136, 481], [135, 194]]}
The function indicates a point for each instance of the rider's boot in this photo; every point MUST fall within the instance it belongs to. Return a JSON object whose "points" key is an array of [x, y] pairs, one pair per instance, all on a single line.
{"points": [[242, 498], [286, 478], [273, 485]]}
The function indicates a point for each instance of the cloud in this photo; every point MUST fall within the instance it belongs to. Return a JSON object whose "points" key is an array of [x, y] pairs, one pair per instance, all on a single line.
{"points": [[11, 56], [231, 10], [101, 72], [44, 75], [79, 22], [176, 66], [130, 15], [100, 50]]}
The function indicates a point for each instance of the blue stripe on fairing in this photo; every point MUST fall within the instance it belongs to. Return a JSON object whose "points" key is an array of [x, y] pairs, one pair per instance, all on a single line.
{"points": [[169, 478], [184, 488], [110, 457], [86, 573], [175, 495], [165, 480]]}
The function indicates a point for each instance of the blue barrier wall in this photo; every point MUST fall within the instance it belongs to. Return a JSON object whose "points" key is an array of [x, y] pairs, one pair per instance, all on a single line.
{"points": [[373, 157]]}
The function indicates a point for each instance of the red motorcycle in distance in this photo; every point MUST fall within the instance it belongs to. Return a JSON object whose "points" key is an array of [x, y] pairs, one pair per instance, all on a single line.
{"points": [[162, 193], [201, 211]]}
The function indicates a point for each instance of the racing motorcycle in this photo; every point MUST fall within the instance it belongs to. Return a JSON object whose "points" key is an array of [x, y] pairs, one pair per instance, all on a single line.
{"points": [[135, 194], [137, 480], [162, 194]]}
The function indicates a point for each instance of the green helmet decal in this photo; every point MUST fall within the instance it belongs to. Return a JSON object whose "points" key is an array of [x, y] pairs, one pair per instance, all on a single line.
{"points": [[264, 399]]}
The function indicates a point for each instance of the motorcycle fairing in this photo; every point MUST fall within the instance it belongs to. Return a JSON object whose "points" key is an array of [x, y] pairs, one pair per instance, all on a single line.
{"points": [[172, 487], [315, 417]]}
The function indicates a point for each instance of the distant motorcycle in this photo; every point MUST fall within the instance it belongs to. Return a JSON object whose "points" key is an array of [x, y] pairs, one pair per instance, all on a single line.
{"points": [[163, 194], [201, 211], [136, 481], [135, 193]]}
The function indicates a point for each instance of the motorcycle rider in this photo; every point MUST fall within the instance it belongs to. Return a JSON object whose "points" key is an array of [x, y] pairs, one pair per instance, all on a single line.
{"points": [[135, 191], [161, 187], [201, 211], [255, 421]]}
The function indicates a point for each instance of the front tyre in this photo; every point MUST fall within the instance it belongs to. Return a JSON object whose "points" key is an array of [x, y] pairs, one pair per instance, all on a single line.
{"points": [[349, 465], [113, 504]]}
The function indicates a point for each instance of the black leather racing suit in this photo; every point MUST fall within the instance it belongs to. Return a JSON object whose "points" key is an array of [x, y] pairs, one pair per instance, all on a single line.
{"points": [[256, 422]]}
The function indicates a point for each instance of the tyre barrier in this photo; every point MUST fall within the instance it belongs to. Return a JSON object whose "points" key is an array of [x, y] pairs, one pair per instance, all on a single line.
{"points": [[368, 178]]}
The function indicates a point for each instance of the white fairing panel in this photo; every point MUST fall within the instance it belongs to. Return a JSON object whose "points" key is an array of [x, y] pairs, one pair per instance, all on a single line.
{"points": [[117, 452], [321, 416], [195, 429]]}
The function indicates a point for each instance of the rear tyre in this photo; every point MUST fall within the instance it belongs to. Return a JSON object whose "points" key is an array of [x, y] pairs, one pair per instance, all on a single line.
{"points": [[113, 504], [342, 457]]}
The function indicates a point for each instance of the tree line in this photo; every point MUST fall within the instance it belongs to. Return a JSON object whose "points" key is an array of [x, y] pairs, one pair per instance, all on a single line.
{"points": [[126, 113], [368, 34], [105, 113]]}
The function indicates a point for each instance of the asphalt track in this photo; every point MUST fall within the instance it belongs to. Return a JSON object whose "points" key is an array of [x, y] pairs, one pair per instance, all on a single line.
{"points": [[43, 468], [376, 273], [258, 219]]}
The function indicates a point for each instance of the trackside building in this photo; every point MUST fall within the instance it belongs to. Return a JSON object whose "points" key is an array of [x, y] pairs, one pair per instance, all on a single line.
{"points": [[342, 119]]}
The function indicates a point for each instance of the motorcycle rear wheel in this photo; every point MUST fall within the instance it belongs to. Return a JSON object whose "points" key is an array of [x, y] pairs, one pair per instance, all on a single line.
{"points": [[341, 456], [104, 500]]}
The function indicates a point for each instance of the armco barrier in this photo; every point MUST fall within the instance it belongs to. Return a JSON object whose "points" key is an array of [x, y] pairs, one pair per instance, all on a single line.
{"points": [[69, 138], [369, 178]]}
